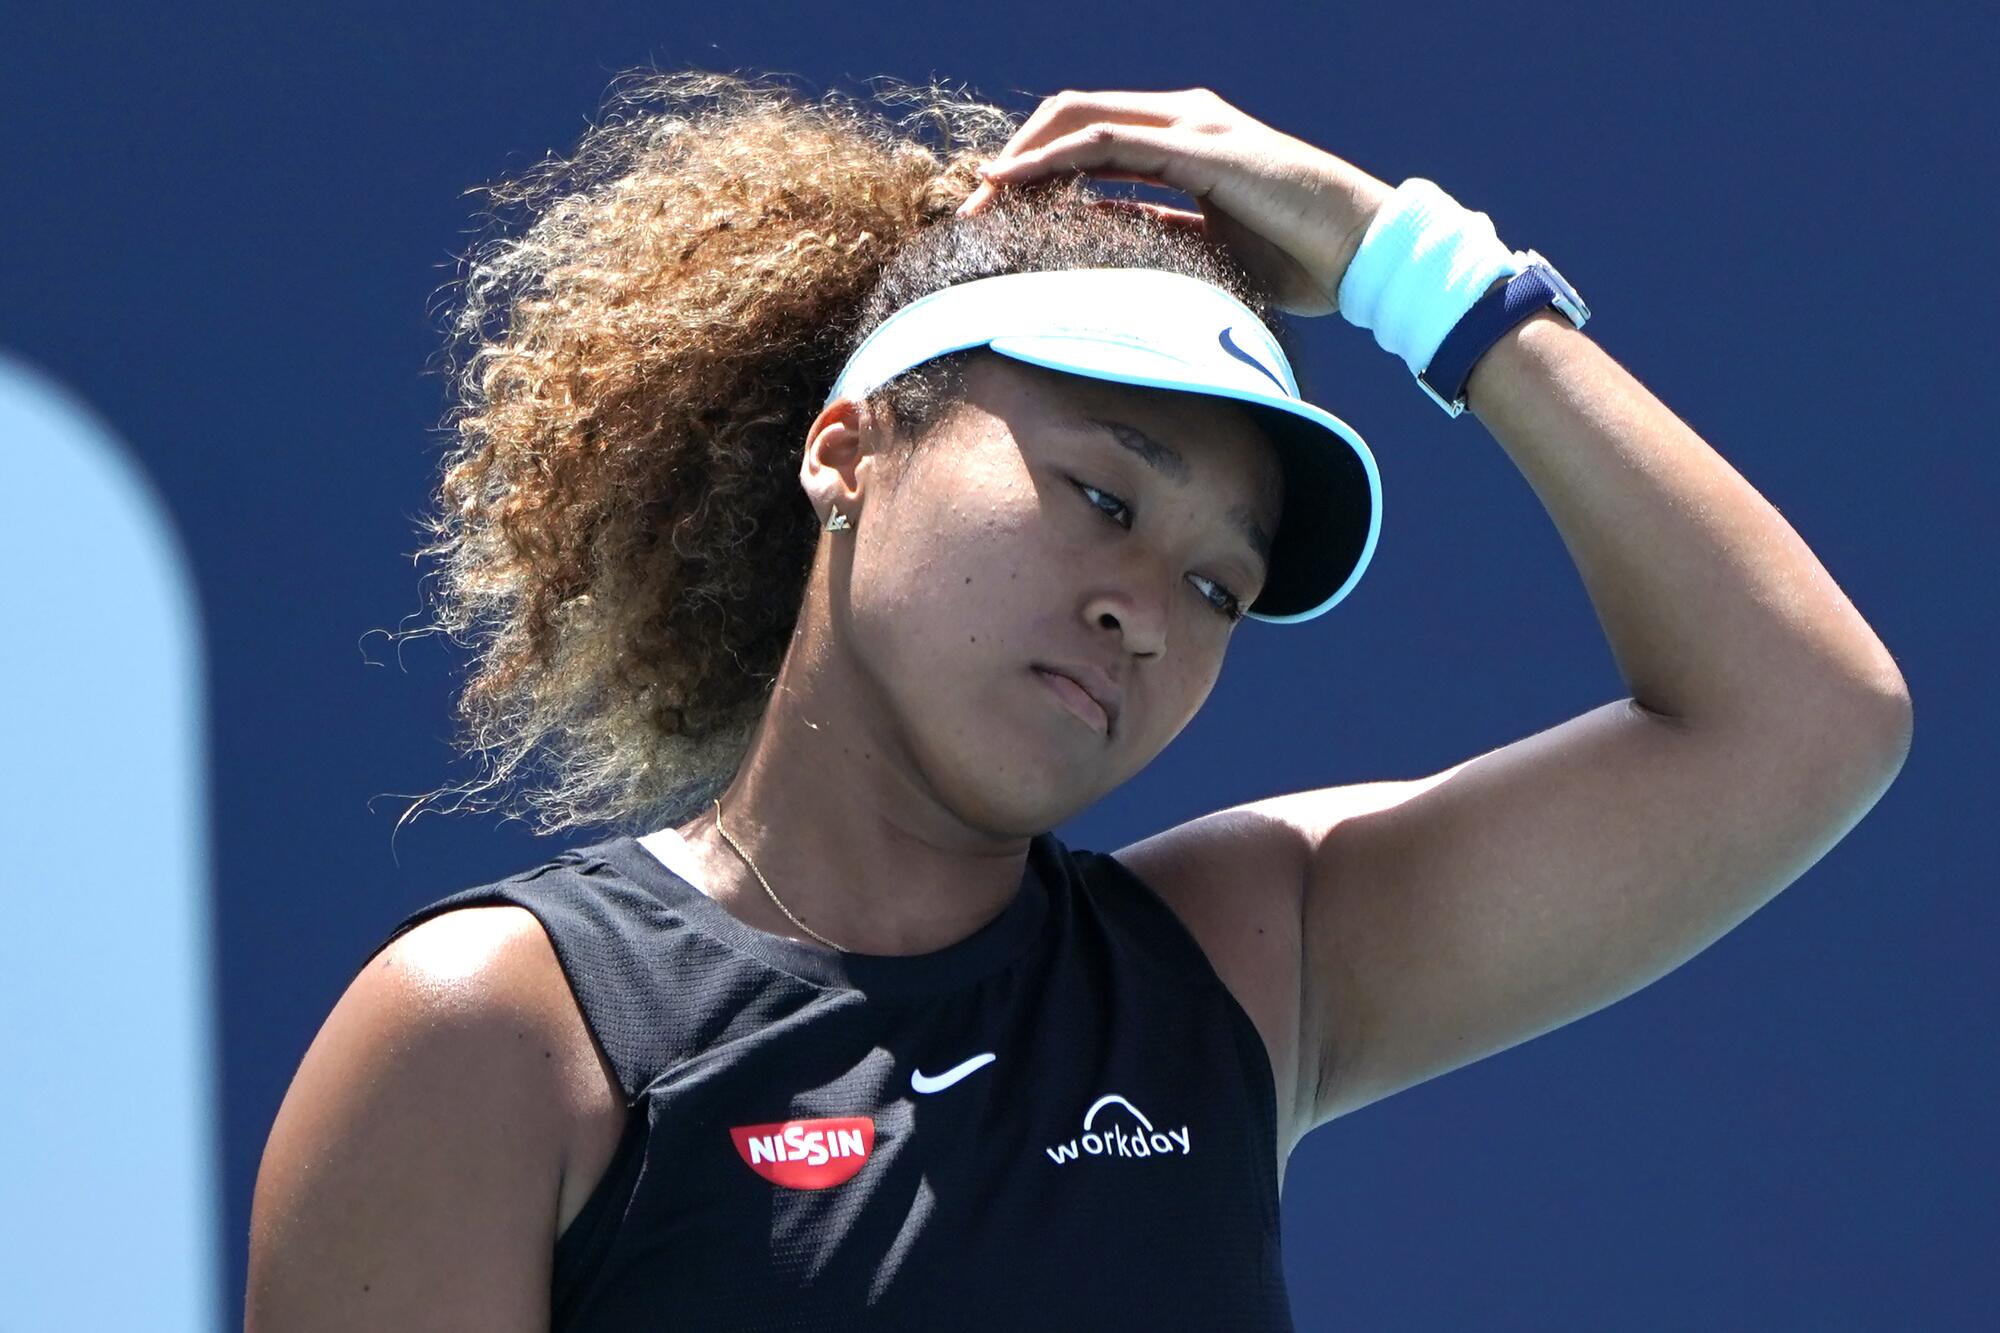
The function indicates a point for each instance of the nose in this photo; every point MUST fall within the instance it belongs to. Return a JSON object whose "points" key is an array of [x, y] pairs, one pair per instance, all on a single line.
{"points": [[1139, 617]]}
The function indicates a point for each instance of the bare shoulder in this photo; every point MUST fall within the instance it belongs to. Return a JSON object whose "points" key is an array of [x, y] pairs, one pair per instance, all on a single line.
{"points": [[496, 959], [417, 1153], [589, 1097], [1235, 879]]}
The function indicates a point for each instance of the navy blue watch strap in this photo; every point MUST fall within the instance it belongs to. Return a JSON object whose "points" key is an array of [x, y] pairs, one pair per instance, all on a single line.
{"points": [[1534, 288]]}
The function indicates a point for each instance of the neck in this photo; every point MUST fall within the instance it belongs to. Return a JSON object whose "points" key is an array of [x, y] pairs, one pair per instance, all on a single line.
{"points": [[830, 806]]}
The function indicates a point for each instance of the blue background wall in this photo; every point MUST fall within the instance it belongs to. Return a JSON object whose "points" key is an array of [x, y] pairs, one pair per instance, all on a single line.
{"points": [[224, 230]]}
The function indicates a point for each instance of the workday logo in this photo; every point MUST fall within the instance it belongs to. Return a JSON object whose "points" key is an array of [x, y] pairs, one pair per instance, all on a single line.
{"points": [[1116, 1138]]}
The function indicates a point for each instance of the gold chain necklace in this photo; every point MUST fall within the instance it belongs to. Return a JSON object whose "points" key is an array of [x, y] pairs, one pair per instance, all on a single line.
{"points": [[767, 883]]}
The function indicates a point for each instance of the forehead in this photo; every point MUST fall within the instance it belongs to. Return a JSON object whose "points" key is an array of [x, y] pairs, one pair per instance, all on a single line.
{"points": [[1176, 431]]}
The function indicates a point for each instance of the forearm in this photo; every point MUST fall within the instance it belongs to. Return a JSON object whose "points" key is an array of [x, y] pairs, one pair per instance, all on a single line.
{"points": [[1716, 611]]}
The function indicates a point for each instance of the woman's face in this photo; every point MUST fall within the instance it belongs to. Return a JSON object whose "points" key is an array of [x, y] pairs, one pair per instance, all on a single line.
{"points": [[1053, 519]]}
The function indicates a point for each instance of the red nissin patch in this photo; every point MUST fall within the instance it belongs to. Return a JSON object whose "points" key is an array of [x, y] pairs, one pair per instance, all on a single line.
{"points": [[806, 1154]]}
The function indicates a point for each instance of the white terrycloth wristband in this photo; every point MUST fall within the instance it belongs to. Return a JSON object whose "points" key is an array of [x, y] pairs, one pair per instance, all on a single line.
{"points": [[1423, 262]]}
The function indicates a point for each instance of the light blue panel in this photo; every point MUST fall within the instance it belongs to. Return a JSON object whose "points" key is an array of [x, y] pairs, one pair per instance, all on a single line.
{"points": [[108, 1101]]}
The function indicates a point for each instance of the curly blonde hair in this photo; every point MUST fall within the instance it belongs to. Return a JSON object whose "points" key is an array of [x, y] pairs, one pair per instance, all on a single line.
{"points": [[621, 534]]}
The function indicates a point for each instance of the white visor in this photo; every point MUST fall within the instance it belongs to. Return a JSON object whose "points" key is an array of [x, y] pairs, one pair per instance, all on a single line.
{"points": [[1163, 330]]}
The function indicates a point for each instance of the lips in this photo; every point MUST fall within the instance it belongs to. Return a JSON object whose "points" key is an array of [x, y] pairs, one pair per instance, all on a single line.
{"points": [[1095, 686]]}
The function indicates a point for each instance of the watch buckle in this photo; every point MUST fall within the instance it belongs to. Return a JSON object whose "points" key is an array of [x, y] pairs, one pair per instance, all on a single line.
{"points": [[1573, 310], [1451, 409]]}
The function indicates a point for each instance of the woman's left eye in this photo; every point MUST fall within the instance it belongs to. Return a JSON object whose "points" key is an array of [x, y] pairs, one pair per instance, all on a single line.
{"points": [[1228, 606], [1120, 504]]}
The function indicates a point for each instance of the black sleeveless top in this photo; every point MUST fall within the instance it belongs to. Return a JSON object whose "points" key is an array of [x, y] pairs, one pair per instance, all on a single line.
{"points": [[1063, 1120]]}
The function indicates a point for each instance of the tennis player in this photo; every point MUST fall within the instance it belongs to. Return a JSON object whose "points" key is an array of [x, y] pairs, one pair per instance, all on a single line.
{"points": [[835, 515]]}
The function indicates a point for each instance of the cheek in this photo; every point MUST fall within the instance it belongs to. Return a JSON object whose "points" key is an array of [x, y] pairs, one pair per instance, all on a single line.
{"points": [[954, 601], [1175, 692], [944, 571]]}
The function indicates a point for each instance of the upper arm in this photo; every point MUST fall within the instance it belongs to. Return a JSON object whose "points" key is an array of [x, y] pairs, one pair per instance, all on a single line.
{"points": [[1448, 918], [411, 1176]]}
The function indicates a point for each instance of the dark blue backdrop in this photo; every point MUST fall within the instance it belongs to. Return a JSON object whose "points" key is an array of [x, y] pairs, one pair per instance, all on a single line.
{"points": [[225, 228]]}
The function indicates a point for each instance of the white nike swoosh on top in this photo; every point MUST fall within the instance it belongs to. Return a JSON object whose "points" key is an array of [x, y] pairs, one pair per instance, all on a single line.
{"points": [[923, 1082]]}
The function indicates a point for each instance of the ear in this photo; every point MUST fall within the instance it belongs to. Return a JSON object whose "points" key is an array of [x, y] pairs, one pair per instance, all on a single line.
{"points": [[841, 444]]}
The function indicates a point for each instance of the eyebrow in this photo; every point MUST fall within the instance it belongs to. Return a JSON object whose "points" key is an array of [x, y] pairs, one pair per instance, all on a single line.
{"points": [[1170, 463]]}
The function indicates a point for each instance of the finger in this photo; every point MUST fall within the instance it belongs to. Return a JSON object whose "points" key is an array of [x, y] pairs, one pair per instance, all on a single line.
{"points": [[1175, 217], [1136, 152], [1106, 174], [985, 191], [976, 200], [1070, 110]]}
